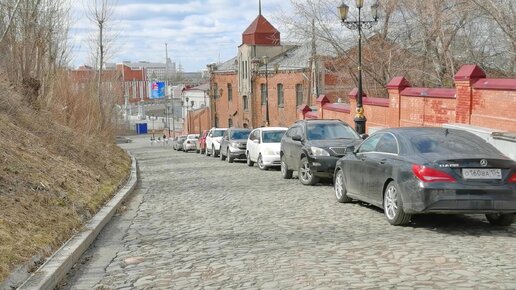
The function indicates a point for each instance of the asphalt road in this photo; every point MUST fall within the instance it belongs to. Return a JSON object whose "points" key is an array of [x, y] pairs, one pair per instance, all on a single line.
{"points": [[197, 222]]}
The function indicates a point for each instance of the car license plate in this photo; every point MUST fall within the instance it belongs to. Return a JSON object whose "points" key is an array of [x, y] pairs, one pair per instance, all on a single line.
{"points": [[474, 173]]}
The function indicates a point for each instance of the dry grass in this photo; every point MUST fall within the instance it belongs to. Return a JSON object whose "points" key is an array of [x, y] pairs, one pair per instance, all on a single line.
{"points": [[52, 179]]}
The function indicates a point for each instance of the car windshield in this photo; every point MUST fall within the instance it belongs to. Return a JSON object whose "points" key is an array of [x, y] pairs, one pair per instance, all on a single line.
{"points": [[218, 133], [330, 131], [451, 144], [240, 134], [193, 136], [272, 136]]}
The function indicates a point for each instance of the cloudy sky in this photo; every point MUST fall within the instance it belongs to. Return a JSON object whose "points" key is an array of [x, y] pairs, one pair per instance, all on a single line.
{"points": [[198, 32]]}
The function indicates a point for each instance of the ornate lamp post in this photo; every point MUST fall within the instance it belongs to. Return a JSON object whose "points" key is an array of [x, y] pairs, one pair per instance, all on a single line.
{"points": [[360, 119], [265, 60]]}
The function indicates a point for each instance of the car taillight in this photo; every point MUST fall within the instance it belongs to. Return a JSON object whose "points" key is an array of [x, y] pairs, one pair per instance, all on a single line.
{"points": [[512, 179], [429, 174]]}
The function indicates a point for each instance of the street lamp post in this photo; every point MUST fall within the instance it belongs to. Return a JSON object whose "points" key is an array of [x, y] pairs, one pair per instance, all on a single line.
{"points": [[360, 119], [266, 62]]}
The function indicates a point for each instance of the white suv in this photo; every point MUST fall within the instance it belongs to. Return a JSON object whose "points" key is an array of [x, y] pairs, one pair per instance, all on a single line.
{"points": [[263, 147], [213, 141]]}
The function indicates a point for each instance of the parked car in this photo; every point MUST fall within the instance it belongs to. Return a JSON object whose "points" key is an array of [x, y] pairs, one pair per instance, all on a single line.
{"points": [[200, 144], [178, 145], [409, 171], [233, 144], [312, 147], [263, 147], [213, 141], [189, 143]]}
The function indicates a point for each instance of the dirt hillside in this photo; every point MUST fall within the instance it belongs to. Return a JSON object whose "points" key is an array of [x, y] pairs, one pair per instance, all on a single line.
{"points": [[52, 180]]}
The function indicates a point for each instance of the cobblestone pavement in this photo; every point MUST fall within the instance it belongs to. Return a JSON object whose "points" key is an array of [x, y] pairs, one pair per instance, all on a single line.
{"points": [[197, 222]]}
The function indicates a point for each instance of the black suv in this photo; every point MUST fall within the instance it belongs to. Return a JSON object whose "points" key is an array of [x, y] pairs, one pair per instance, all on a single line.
{"points": [[233, 144], [312, 147]]}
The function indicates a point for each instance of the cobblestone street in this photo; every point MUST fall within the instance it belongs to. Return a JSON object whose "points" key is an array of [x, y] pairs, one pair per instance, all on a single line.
{"points": [[197, 222]]}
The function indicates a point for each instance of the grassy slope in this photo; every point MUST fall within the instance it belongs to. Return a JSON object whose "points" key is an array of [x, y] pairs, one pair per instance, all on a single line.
{"points": [[52, 180]]}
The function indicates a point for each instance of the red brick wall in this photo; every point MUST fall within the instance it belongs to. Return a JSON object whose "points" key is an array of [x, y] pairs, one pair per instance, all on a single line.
{"points": [[197, 121], [476, 100]]}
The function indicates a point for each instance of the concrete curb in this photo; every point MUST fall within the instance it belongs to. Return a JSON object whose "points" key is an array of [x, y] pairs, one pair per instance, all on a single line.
{"points": [[56, 267]]}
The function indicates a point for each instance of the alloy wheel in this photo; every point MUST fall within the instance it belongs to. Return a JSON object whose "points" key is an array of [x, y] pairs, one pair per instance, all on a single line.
{"points": [[304, 172], [339, 185], [391, 202]]}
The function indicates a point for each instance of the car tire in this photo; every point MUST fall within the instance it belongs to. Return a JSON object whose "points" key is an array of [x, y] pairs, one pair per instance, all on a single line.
{"points": [[206, 151], [260, 163], [285, 172], [230, 159], [213, 152], [340, 188], [393, 206], [305, 175], [222, 157], [248, 160], [501, 219]]}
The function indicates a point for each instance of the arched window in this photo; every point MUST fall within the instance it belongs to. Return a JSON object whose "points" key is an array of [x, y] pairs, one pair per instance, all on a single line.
{"points": [[230, 123], [299, 94], [230, 92], [280, 95], [246, 103], [215, 90]]}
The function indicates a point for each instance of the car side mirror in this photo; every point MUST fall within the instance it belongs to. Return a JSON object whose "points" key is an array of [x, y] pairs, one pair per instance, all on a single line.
{"points": [[350, 149], [256, 141], [364, 136], [297, 138]]}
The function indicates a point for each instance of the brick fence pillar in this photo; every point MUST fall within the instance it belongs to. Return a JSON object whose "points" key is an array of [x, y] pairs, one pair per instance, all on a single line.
{"points": [[302, 110], [464, 79], [321, 101], [395, 87]]}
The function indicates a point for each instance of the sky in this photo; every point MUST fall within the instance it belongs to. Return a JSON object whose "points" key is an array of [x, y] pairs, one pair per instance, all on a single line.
{"points": [[198, 32]]}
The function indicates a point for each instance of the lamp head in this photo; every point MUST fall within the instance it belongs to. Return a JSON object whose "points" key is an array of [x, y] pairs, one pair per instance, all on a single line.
{"points": [[374, 10], [343, 11], [265, 59], [360, 3]]}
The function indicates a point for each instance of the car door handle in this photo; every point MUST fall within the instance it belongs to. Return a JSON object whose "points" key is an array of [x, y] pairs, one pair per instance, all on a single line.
{"points": [[382, 161]]}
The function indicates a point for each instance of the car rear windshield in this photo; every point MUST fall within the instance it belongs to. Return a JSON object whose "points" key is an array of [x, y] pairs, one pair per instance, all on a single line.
{"points": [[450, 143], [239, 135], [218, 133], [330, 131], [273, 136]]}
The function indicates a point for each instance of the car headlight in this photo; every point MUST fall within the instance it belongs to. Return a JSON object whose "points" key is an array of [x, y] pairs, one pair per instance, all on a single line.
{"points": [[316, 151], [234, 145]]}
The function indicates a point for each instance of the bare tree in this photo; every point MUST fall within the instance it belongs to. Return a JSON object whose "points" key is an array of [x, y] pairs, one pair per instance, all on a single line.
{"points": [[100, 12]]}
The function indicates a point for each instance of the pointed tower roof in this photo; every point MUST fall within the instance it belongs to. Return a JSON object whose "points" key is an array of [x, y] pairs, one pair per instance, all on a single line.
{"points": [[261, 32]]}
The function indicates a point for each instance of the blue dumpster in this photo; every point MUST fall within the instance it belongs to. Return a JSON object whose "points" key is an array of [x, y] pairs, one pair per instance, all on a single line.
{"points": [[141, 128]]}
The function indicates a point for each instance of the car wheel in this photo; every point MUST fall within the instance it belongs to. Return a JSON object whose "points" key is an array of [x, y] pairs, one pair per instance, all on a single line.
{"points": [[206, 152], [501, 219], [260, 163], [222, 157], [393, 206], [213, 152], [230, 159], [248, 161], [340, 188], [285, 172], [305, 175]]}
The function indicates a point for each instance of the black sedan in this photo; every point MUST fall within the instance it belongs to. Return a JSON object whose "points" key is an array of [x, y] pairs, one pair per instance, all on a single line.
{"points": [[409, 171]]}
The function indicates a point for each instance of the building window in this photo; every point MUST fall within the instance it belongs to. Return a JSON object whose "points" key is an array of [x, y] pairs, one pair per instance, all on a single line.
{"points": [[263, 90], [230, 92], [230, 123], [215, 90], [299, 94], [280, 95], [246, 103], [216, 122]]}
